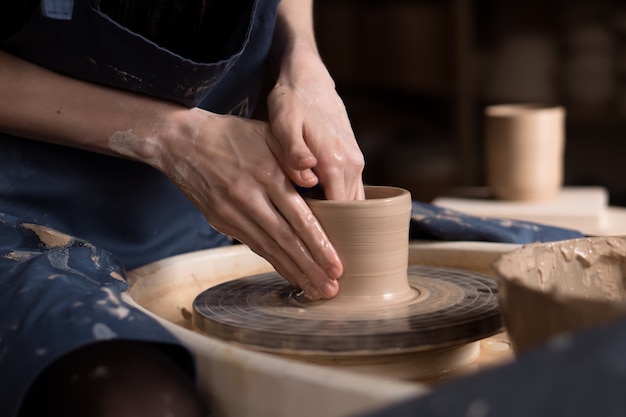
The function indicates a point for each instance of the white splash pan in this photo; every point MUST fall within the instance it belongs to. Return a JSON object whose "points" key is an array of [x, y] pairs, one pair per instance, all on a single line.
{"points": [[239, 382]]}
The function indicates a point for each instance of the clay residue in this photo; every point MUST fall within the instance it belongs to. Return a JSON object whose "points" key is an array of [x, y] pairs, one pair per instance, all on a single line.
{"points": [[113, 304], [126, 143], [101, 331], [49, 237], [588, 268], [125, 75], [21, 256], [117, 276]]}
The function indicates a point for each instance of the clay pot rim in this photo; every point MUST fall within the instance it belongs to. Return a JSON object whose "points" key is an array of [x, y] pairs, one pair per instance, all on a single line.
{"points": [[522, 109], [374, 194]]}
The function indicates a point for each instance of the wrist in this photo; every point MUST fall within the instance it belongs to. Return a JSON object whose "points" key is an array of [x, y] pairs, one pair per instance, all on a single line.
{"points": [[304, 69], [165, 132]]}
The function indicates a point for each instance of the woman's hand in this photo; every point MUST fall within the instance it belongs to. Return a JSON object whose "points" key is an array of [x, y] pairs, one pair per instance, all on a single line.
{"points": [[225, 166], [314, 139]]}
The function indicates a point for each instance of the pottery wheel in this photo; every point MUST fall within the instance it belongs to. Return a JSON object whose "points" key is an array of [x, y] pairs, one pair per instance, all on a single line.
{"points": [[450, 307]]}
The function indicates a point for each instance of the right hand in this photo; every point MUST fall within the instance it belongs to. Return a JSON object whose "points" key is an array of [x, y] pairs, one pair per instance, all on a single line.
{"points": [[226, 168]]}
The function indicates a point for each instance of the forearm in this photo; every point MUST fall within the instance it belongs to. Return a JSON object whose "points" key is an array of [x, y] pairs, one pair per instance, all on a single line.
{"points": [[294, 25], [294, 48], [233, 169], [47, 106]]}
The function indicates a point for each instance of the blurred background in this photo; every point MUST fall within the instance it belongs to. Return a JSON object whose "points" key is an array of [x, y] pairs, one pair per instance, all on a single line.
{"points": [[416, 75]]}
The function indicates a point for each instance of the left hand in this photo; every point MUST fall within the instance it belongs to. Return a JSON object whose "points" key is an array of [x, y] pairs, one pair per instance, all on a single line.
{"points": [[314, 141]]}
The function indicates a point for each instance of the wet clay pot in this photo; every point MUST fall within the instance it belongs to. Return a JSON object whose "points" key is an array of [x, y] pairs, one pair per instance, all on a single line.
{"points": [[372, 239]]}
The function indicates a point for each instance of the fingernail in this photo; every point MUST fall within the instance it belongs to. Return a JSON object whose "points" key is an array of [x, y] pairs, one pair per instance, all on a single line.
{"points": [[308, 176], [328, 290], [333, 272], [312, 294]]}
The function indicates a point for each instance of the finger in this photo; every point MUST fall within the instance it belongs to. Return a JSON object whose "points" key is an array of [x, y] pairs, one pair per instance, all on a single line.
{"points": [[343, 190], [260, 243], [340, 161], [296, 263], [341, 178], [268, 233], [306, 226], [305, 178], [290, 149]]}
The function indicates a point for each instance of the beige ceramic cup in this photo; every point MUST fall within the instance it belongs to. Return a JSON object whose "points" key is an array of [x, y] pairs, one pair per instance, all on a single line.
{"points": [[371, 237], [524, 146]]}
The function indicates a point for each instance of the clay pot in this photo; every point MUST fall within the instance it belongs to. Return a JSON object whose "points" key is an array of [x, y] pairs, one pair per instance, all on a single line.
{"points": [[548, 289], [372, 239], [524, 146]]}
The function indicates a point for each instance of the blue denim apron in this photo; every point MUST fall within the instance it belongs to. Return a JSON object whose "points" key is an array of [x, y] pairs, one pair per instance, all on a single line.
{"points": [[115, 214]]}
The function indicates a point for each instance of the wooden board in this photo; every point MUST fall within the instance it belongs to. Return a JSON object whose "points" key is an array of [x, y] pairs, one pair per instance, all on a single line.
{"points": [[580, 208]]}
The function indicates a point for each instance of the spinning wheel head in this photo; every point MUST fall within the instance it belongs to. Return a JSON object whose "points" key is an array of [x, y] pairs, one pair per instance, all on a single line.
{"points": [[448, 307]]}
